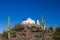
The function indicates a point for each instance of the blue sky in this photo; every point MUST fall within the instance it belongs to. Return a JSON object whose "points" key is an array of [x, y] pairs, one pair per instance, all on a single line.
{"points": [[19, 9]]}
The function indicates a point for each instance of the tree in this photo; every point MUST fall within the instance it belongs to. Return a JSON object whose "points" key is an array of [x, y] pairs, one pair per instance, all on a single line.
{"points": [[5, 35], [56, 35]]}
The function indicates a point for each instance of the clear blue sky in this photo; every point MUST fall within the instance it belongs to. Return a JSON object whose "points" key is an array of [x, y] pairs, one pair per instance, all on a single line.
{"points": [[19, 9]]}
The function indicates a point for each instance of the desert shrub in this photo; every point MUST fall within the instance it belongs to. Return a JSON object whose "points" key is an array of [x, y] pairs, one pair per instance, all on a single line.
{"points": [[18, 27], [35, 29], [51, 28], [13, 34]]}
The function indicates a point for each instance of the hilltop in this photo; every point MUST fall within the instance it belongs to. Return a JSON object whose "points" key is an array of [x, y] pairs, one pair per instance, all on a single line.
{"points": [[24, 32]]}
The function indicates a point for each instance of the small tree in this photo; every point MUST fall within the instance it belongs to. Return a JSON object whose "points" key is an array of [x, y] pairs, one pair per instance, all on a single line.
{"points": [[56, 35]]}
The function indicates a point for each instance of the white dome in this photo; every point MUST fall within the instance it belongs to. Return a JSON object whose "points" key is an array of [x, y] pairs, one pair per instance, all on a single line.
{"points": [[28, 21]]}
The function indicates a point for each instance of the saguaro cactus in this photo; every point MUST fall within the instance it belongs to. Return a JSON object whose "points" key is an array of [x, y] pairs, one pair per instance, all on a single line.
{"points": [[8, 27]]}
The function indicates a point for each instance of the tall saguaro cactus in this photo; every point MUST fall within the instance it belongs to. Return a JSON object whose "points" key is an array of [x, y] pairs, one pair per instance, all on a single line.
{"points": [[8, 27], [43, 29], [43, 24]]}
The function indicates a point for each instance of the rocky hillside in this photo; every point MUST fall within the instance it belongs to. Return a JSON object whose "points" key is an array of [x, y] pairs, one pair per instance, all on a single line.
{"points": [[22, 32]]}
